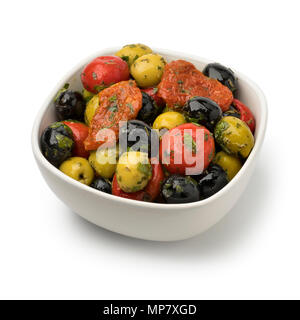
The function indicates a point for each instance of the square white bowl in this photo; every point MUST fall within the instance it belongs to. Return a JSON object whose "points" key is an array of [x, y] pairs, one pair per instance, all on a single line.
{"points": [[150, 221]]}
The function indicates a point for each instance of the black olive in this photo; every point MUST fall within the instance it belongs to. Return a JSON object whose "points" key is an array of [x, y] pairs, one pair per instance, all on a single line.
{"points": [[213, 179], [222, 74], [137, 135], [204, 111], [149, 110], [233, 112], [180, 189], [57, 143], [101, 185], [70, 105]]}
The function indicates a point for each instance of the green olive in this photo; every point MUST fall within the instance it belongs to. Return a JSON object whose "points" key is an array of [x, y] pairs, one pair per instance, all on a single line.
{"points": [[133, 171], [148, 69], [87, 96], [132, 52], [230, 164], [104, 162], [79, 169], [90, 109], [168, 120], [234, 136]]}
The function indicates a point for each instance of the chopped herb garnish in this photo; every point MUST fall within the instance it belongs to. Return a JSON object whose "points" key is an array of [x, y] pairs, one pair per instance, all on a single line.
{"points": [[99, 88], [94, 75], [125, 58], [130, 106], [113, 98], [113, 108], [63, 89], [179, 189], [145, 168], [190, 143]]}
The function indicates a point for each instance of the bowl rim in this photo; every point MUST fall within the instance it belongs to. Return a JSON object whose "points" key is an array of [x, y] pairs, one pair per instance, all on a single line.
{"points": [[162, 206]]}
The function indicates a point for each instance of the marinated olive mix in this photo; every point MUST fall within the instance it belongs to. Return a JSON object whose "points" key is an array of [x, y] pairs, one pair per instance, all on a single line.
{"points": [[222, 74], [69, 105], [57, 143], [212, 180], [204, 111], [154, 131], [180, 189]]}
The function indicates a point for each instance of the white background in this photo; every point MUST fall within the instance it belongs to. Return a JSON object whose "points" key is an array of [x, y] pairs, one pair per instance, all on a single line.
{"points": [[46, 251]]}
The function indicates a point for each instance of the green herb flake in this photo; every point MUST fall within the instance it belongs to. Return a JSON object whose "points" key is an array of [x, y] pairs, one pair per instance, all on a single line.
{"points": [[189, 143], [113, 108], [145, 168], [94, 75], [63, 89], [179, 189], [125, 58], [130, 106], [113, 98], [99, 88], [64, 142]]}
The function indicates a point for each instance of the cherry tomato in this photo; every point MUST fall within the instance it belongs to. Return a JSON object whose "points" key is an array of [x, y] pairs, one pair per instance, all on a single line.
{"points": [[152, 91], [150, 193], [80, 132], [246, 114], [103, 72], [181, 150]]}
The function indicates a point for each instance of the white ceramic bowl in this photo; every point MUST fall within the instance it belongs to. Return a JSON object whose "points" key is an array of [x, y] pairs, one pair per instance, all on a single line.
{"points": [[151, 221]]}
